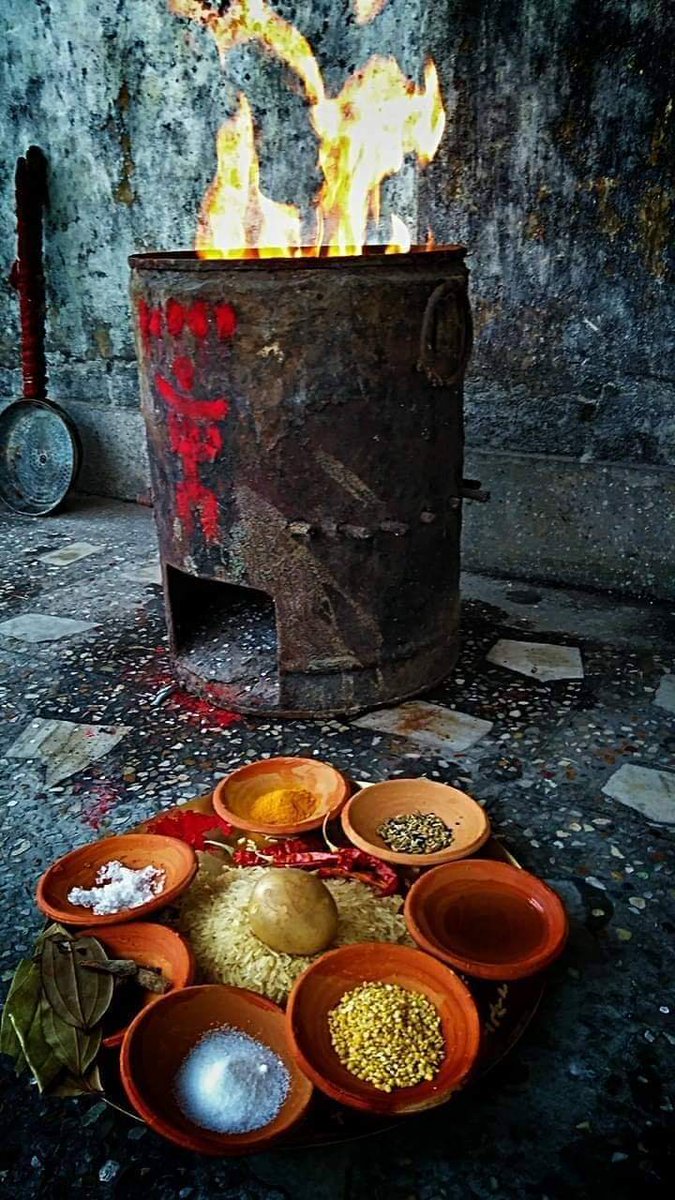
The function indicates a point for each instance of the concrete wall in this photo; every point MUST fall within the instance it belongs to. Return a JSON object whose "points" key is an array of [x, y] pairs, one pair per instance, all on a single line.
{"points": [[555, 169]]}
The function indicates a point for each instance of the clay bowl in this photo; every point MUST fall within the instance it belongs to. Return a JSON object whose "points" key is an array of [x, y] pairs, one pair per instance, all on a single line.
{"points": [[323, 984], [235, 794], [487, 919], [161, 1036], [79, 868], [366, 811], [149, 946]]}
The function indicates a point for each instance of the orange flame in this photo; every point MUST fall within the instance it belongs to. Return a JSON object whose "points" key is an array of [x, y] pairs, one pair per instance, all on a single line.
{"points": [[367, 10], [235, 214], [364, 134]]}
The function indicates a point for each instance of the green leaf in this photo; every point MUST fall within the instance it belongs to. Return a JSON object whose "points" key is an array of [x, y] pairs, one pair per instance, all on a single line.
{"points": [[22, 1024], [22, 1000], [10, 1044], [74, 1048], [40, 1057], [73, 1085], [78, 996], [49, 931]]}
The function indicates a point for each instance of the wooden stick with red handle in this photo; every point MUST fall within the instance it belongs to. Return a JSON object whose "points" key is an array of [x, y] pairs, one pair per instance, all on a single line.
{"points": [[27, 272]]}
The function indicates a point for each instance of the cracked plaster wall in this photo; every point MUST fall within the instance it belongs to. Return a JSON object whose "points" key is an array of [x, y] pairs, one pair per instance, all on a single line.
{"points": [[556, 169]]}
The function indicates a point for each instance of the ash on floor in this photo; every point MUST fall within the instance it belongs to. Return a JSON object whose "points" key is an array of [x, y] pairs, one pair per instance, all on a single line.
{"points": [[582, 1106]]}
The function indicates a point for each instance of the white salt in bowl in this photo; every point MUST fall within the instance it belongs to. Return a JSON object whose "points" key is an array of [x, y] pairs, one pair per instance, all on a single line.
{"points": [[79, 869], [159, 1040]]}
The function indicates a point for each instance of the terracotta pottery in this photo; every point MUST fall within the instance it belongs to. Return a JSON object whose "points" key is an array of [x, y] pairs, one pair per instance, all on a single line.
{"points": [[323, 984], [487, 918], [367, 810], [149, 946], [162, 1035], [79, 869], [234, 795]]}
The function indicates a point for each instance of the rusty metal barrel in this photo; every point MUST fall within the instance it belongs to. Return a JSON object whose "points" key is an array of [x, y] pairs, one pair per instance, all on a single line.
{"points": [[305, 434]]}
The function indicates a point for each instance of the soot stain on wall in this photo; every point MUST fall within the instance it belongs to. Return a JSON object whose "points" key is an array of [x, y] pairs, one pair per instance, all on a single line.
{"points": [[556, 169]]}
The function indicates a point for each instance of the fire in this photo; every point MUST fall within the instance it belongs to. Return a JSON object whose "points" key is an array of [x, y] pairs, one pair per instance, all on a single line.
{"points": [[364, 134], [367, 10], [235, 213]]}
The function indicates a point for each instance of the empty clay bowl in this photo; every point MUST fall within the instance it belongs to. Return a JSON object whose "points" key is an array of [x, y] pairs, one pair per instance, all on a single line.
{"points": [[157, 1042], [149, 946], [321, 987], [486, 918], [234, 795], [366, 811], [136, 850]]}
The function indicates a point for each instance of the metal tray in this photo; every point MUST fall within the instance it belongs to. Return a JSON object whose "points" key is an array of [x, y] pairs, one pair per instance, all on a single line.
{"points": [[505, 1008], [40, 455]]}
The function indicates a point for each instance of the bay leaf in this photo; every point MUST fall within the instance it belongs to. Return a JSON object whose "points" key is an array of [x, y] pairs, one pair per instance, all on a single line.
{"points": [[22, 1000], [50, 930], [93, 1080], [42, 1061], [9, 1042], [79, 997], [72, 1085], [75, 1048]]}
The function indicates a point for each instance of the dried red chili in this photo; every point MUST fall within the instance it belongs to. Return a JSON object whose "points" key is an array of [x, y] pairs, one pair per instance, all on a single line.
{"points": [[348, 863]]}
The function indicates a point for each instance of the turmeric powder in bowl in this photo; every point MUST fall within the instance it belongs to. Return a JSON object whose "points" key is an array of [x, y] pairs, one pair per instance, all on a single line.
{"points": [[283, 806]]}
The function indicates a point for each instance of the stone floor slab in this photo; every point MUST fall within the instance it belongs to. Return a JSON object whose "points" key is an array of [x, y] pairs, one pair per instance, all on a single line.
{"points": [[430, 725], [66, 555], [40, 627], [538, 660], [64, 746], [665, 696], [649, 792], [148, 572]]}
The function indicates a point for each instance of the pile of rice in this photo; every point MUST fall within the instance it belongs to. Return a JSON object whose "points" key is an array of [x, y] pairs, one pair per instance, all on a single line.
{"points": [[214, 916]]}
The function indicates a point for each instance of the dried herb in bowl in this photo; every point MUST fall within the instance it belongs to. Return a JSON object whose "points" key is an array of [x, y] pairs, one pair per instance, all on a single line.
{"points": [[416, 833]]}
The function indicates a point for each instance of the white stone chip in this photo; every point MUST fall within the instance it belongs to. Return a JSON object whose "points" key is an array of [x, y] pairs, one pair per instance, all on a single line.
{"points": [[66, 555], [147, 572], [40, 627], [429, 725], [538, 660], [64, 746], [649, 792], [665, 696]]}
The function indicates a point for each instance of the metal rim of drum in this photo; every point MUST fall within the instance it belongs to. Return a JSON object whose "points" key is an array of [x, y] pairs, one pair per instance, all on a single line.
{"points": [[55, 467], [372, 257]]}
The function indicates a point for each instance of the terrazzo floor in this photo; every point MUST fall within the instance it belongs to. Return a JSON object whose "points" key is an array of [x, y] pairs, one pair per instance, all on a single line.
{"points": [[577, 774]]}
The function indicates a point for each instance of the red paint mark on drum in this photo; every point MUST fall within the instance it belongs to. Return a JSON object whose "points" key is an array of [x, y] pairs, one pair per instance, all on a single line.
{"points": [[196, 438], [155, 322], [175, 318], [184, 371], [226, 321], [198, 319]]}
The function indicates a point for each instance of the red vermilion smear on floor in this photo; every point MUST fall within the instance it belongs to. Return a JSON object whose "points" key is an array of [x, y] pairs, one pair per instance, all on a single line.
{"points": [[197, 707], [101, 799]]}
